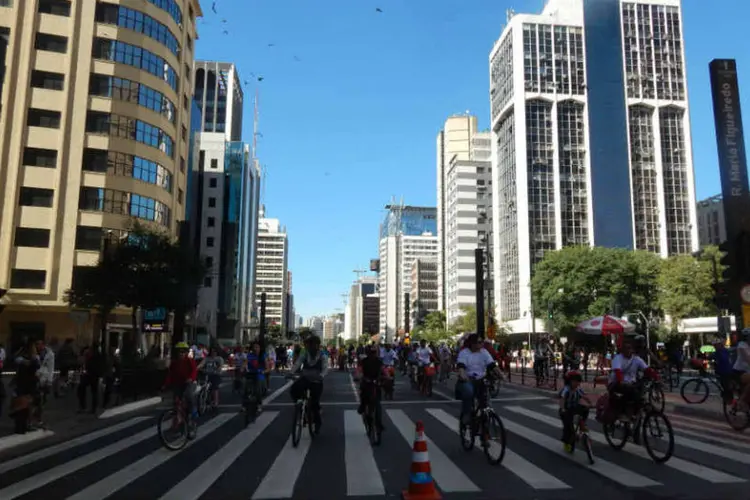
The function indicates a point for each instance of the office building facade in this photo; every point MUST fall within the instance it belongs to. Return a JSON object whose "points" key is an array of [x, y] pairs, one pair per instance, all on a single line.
{"points": [[407, 234], [355, 323], [712, 229], [590, 138], [227, 205], [464, 210], [95, 132], [272, 278], [424, 290]]}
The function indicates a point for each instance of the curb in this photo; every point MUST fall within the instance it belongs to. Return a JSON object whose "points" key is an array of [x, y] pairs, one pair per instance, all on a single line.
{"points": [[130, 407]]}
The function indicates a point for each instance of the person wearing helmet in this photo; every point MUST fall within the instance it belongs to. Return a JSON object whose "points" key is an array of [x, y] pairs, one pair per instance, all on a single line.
{"points": [[314, 366], [183, 372], [570, 405], [741, 368]]}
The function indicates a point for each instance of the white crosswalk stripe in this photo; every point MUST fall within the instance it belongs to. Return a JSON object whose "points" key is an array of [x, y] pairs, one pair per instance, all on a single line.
{"points": [[88, 467]]}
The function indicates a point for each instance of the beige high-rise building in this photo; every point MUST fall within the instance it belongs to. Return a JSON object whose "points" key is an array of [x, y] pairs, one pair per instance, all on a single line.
{"points": [[94, 130]]}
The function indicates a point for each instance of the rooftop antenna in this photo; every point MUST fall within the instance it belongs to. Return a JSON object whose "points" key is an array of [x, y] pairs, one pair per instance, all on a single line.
{"points": [[510, 13], [359, 273]]}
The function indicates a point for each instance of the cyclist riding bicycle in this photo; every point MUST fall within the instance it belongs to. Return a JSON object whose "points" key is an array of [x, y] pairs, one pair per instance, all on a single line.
{"points": [[570, 398], [372, 371], [622, 378], [256, 366], [314, 366], [473, 365], [741, 368], [181, 378]]}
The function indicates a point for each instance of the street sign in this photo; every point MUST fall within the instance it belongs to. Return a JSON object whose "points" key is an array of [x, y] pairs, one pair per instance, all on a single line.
{"points": [[745, 294], [153, 327]]}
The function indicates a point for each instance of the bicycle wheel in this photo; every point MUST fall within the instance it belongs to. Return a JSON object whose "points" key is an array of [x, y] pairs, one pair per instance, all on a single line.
{"points": [[611, 431], [172, 428], [203, 401], [466, 432], [694, 391], [656, 398], [657, 426], [586, 440], [736, 419], [297, 423], [311, 422], [493, 438]]}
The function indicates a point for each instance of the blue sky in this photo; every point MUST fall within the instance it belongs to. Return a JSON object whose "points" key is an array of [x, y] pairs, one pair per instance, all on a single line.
{"points": [[352, 99]]}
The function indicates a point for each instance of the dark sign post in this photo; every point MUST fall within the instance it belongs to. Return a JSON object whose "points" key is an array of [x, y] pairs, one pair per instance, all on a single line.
{"points": [[733, 169], [479, 278]]}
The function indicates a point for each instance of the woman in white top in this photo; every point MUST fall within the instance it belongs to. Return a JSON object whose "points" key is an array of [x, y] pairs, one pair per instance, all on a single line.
{"points": [[473, 363]]}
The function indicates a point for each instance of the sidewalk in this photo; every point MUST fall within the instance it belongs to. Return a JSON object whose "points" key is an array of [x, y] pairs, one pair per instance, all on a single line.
{"points": [[61, 417]]}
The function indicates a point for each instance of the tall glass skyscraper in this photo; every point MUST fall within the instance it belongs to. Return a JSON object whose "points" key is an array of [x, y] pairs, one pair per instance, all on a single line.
{"points": [[591, 138]]}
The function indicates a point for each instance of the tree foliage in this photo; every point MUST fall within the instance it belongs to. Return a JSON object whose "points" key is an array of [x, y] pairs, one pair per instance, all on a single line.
{"points": [[685, 285], [432, 329], [576, 283]]}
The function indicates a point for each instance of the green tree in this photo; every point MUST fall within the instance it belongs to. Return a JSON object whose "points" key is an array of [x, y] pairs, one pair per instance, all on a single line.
{"points": [[467, 322], [685, 286], [432, 328], [575, 283]]}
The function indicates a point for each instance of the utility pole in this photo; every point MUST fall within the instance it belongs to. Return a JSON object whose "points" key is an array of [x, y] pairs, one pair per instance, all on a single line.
{"points": [[407, 313], [479, 278]]}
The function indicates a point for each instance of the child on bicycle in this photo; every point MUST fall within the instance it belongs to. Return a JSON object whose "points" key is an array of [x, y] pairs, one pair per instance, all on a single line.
{"points": [[570, 405]]}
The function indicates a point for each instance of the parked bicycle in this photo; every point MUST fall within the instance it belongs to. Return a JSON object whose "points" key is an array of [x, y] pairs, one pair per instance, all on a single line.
{"points": [[483, 423], [175, 426]]}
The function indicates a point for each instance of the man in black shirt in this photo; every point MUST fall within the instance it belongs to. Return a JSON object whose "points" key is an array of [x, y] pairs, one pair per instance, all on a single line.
{"points": [[372, 369]]}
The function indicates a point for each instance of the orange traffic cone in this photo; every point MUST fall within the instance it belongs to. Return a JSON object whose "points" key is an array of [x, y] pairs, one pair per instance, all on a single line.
{"points": [[421, 485]]}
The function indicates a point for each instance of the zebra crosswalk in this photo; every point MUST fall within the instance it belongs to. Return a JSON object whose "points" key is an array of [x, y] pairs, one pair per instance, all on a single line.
{"points": [[227, 461]]}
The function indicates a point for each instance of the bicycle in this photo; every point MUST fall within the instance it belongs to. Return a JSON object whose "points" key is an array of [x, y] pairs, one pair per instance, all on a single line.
{"points": [[655, 393], [425, 384], [700, 387], [176, 418], [372, 416], [582, 435], [303, 417], [483, 418], [203, 396], [646, 417], [250, 399], [736, 419]]}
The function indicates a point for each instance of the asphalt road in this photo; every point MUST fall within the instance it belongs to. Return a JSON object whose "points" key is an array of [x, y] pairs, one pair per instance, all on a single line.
{"points": [[125, 460]]}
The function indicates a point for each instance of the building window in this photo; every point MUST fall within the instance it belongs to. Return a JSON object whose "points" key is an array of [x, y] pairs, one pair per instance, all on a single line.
{"points": [[214, 163], [212, 202], [211, 222], [171, 7], [55, 7], [212, 182], [123, 203], [130, 128], [134, 92], [132, 55], [37, 157], [185, 102], [139, 22], [210, 242], [184, 133], [32, 237], [88, 238], [179, 196], [43, 118], [47, 80], [182, 164], [30, 279], [51, 43], [36, 197], [209, 262], [126, 165], [207, 282]]}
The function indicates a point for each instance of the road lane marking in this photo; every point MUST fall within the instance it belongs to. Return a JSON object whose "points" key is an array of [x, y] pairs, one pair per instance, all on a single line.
{"points": [[115, 482], [448, 476], [354, 387], [362, 473], [282, 476], [693, 469], [275, 394], [49, 475], [532, 475], [602, 467], [201, 479]]}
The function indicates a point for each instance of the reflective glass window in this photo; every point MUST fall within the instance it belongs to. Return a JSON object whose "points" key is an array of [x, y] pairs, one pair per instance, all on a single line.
{"points": [[132, 55], [139, 22]]}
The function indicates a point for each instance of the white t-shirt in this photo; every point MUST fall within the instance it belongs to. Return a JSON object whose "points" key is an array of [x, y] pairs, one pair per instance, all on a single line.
{"points": [[388, 357], [423, 355], [629, 368], [740, 364], [476, 363]]}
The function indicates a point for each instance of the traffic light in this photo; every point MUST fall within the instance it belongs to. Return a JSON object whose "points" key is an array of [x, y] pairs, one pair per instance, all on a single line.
{"points": [[721, 295]]}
